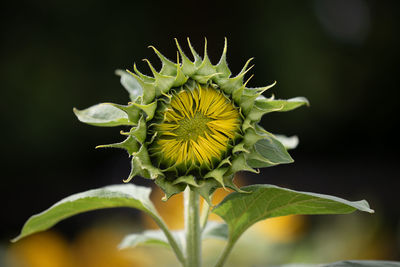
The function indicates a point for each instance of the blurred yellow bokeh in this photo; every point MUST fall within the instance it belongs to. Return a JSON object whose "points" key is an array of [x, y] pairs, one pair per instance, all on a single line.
{"points": [[46, 249], [96, 247], [282, 229], [171, 211]]}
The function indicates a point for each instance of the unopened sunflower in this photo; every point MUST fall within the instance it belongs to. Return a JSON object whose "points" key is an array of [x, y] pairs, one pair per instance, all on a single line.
{"points": [[193, 124]]}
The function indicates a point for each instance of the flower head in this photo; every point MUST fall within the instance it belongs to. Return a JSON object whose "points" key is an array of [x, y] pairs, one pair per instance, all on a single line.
{"points": [[192, 124], [196, 128]]}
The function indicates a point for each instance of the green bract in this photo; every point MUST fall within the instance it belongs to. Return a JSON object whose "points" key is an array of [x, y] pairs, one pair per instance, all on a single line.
{"points": [[151, 98]]}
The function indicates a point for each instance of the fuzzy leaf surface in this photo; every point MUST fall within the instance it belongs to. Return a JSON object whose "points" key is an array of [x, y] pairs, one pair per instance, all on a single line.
{"points": [[213, 230], [289, 142], [268, 151], [273, 150], [127, 195], [130, 84], [264, 106], [240, 211], [151, 237], [103, 115]]}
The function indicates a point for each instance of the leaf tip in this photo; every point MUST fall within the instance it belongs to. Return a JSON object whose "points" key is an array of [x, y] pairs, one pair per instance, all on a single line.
{"points": [[15, 239]]}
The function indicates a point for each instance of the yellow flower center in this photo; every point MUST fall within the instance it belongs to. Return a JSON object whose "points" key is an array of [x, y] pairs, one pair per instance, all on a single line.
{"points": [[197, 127], [191, 128]]}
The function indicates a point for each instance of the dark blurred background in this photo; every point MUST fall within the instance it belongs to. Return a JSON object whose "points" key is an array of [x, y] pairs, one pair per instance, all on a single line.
{"points": [[342, 55]]}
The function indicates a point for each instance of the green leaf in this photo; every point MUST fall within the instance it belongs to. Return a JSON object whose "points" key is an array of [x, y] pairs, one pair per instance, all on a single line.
{"points": [[168, 67], [265, 149], [131, 110], [141, 165], [103, 115], [264, 105], [206, 188], [188, 179], [217, 174], [169, 188], [146, 83], [252, 136], [272, 150], [151, 237], [240, 148], [139, 132], [289, 142], [129, 144], [350, 263], [188, 67], [149, 109], [130, 84], [239, 163], [213, 230], [222, 66], [127, 195], [240, 211]]}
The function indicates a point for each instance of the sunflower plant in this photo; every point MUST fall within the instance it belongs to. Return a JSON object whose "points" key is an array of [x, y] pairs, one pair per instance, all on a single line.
{"points": [[189, 128]]}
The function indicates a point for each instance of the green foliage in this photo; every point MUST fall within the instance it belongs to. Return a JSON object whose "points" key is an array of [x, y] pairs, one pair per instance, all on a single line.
{"points": [[213, 230], [250, 149], [150, 237], [240, 211], [269, 151], [103, 115], [107, 197]]}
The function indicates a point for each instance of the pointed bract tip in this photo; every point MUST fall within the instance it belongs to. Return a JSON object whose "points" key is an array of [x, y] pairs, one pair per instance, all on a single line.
{"points": [[205, 47], [179, 48], [194, 52], [177, 43], [119, 72], [127, 180], [225, 46], [123, 133], [153, 70], [245, 83], [130, 72], [154, 49]]}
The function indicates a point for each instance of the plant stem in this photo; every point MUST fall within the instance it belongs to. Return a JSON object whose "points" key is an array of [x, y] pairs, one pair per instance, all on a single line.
{"points": [[175, 247], [225, 254], [192, 228], [205, 212]]}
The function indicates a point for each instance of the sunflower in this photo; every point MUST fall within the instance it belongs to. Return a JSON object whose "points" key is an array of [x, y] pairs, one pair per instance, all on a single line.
{"points": [[196, 129], [193, 124]]}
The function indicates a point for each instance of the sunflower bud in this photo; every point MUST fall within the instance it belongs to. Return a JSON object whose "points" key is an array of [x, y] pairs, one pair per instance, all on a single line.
{"points": [[192, 124]]}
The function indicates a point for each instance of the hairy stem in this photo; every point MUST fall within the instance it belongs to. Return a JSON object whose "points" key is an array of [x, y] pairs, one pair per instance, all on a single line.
{"points": [[225, 253], [205, 212], [192, 228], [175, 247]]}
